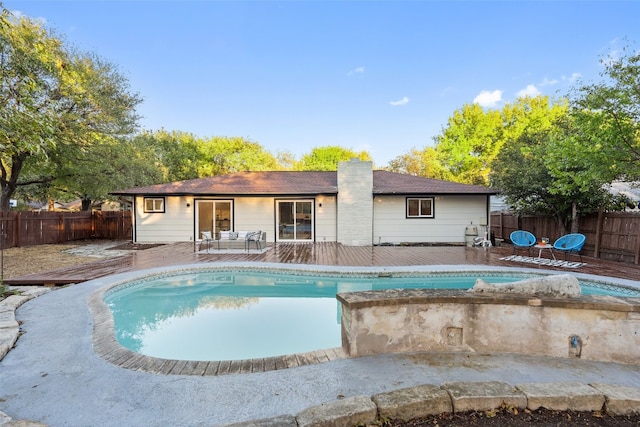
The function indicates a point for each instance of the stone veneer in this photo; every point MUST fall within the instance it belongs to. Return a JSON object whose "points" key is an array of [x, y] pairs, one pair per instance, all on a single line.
{"points": [[601, 328]]}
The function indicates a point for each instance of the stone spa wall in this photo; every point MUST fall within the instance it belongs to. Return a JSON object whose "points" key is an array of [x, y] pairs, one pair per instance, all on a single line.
{"points": [[598, 328]]}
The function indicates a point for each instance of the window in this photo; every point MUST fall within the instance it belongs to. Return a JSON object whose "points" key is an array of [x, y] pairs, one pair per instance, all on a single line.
{"points": [[154, 204], [420, 208]]}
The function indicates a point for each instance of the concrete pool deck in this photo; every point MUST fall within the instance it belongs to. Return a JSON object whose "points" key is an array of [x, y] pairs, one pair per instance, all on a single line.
{"points": [[54, 377]]}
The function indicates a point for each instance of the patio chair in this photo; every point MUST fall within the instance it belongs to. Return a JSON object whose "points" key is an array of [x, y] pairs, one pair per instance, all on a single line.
{"points": [[570, 243], [522, 239], [255, 236], [206, 240]]}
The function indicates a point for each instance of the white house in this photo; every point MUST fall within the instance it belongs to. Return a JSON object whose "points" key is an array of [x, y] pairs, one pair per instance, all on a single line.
{"points": [[354, 206]]}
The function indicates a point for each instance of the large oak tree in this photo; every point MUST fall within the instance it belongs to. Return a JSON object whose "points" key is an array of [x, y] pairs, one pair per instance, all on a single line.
{"points": [[56, 104]]}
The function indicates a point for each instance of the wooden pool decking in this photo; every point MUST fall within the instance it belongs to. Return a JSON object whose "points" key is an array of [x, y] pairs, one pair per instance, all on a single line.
{"points": [[333, 254]]}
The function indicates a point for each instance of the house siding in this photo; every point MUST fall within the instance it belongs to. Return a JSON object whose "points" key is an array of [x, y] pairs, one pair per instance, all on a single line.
{"points": [[451, 216], [177, 223], [253, 214], [174, 225], [326, 216]]}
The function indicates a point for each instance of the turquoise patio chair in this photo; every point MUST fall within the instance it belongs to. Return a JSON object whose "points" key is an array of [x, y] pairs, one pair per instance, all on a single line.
{"points": [[522, 240], [570, 243]]}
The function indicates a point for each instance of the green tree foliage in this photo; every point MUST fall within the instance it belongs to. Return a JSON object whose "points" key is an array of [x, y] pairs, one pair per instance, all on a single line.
{"points": [[327, 158], [55, 105], [89, 175], [535, 179], [473, 136], [467, 144], [181, 155], [222, 155], [608, 116], [177, 155], [424, 163], [566, 171]]}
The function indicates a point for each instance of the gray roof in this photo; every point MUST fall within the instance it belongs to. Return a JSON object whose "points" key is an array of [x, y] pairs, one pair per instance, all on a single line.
{"points": [[301, 183]]}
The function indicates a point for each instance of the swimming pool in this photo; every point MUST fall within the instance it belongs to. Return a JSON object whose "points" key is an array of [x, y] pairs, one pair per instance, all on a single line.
{"points": [[239, 314]]}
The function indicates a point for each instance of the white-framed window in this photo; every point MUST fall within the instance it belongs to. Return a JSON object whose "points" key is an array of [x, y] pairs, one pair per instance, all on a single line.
{"points": [[154, 204], [419, 207]]}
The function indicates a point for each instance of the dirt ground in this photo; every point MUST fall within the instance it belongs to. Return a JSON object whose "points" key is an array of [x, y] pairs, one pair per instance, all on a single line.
{"points": [[514, 418], [32, 259]]}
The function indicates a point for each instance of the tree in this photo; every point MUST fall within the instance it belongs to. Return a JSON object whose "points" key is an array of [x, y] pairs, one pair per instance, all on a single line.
{"points": [[608, 114], [468, 143], [420, 163], [53, 102], [176, 154], [222, 155], [473, 136], [91, 174], [327, 158], [536, 177]]}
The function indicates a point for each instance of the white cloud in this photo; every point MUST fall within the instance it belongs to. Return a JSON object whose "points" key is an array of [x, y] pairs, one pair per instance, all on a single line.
{"points": [[400, 102], [572, 78], [447, 90], [529, 91], [358, 70], [487, 98], [548, 82]]}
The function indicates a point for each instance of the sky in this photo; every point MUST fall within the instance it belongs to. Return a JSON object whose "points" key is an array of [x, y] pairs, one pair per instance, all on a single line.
{"points": [[380, 76]]}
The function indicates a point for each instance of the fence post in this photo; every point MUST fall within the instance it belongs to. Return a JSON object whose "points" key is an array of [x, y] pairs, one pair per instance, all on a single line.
{"points": [[637, 234], [599, 222], [16, 232], [60, 228]]}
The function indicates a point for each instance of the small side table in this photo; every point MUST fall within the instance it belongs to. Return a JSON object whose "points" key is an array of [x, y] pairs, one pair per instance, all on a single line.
{"points": [[541, 247]]}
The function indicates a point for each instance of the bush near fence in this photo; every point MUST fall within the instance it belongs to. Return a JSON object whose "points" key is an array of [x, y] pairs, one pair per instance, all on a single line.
{"points": [[38, 228], [611, 236]]}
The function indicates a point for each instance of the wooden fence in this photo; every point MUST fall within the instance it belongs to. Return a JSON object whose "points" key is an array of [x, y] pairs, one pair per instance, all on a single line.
{"points": [[37, 228], [610, 236]]}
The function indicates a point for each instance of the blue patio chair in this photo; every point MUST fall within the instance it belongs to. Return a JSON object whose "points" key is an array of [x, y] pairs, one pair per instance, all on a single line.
{"points": [[522, 240], [570, 243]]}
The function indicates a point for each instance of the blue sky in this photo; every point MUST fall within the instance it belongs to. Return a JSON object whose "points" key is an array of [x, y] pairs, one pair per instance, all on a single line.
{"points": [[381, 76]]}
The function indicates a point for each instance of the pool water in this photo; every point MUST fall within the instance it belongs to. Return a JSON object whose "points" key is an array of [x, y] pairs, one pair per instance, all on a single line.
{"points": [[234, 315]]}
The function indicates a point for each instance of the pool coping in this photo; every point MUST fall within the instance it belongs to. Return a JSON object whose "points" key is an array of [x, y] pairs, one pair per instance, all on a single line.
{"points": [[107, 347]]}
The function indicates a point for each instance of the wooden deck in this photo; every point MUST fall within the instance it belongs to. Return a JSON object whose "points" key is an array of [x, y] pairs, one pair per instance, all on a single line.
{"points": [[315, 254]]}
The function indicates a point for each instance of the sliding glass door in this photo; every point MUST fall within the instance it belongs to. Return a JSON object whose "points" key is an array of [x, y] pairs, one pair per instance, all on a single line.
{"points": [[213, 215], [294, 220]]}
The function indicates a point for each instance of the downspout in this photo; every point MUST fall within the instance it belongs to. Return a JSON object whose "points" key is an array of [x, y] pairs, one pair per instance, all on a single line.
{"points": [[487, 207], [133, 219]]}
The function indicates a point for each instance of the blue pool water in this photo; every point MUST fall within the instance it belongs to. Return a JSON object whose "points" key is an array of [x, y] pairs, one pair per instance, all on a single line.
{"points": [[233, 315]]}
